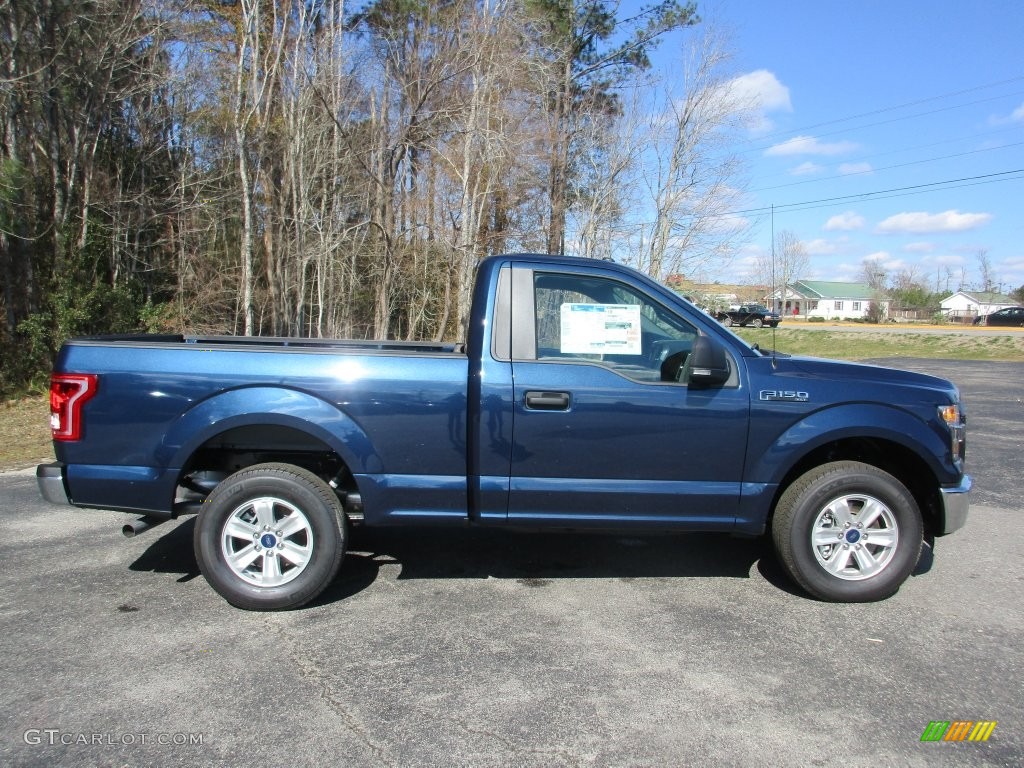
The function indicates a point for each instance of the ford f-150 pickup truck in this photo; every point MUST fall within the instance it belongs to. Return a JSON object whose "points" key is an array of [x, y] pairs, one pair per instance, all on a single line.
{"points": [[587, 396]]}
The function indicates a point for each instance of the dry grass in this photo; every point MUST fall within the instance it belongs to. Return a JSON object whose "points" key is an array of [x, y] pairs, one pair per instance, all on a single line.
{"points": [[25, 432]]}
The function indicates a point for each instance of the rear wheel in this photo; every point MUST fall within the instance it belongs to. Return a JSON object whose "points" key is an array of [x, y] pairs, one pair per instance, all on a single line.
{"points": [[270, 537], [848, 532]]}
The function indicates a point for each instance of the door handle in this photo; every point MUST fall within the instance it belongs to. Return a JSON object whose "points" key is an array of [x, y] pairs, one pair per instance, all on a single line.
{"points": [[547, 401]]}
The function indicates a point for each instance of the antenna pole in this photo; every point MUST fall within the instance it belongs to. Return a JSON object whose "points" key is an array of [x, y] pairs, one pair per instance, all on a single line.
{"points": [[782, 298], [773, 253]]}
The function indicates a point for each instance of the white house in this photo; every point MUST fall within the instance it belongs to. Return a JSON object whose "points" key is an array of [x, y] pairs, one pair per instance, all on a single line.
{"points": [[970, 304], [827, 299]]}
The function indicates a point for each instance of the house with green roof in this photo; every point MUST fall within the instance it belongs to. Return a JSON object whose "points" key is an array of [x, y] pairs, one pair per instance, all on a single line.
{"points": [[828, 299], [969, 304]]}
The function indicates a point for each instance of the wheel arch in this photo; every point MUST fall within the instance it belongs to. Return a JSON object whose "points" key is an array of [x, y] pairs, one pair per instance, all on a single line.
{"points": [[249, 426], [887, 437], [269, 407], [893, 457]]}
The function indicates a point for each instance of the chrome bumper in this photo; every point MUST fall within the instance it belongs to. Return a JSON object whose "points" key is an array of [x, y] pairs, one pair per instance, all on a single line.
{"points": [[50, 478], [954, 506]]}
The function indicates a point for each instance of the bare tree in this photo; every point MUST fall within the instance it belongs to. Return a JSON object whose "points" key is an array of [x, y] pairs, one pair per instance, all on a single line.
{"points": [[696, 179], [785, 263], [985, 270], [570, 35], [484, 143], [608, 179], [874, 274], [260, 41]]}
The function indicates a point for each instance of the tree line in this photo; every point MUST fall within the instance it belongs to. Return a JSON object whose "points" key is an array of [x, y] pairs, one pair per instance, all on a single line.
{"points": [[312, 168]]}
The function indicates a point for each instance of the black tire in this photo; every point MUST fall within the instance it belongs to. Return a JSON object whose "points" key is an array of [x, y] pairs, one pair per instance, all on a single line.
{"points": [[757, 322], [854, 569], [298, 537]]}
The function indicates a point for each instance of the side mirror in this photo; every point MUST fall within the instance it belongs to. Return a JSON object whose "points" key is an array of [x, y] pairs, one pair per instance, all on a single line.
{"points": [[708, 365]]}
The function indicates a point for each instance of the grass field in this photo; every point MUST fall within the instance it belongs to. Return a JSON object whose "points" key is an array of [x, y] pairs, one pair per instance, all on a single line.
{"points": [[25, 432], [861, 345]]}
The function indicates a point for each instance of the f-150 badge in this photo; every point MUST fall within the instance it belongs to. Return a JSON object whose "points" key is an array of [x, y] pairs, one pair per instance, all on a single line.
{"points": [[785, 394]]}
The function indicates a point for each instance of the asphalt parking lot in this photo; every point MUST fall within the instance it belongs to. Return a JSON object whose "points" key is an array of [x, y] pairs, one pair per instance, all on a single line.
{"points": [[495, 649]]}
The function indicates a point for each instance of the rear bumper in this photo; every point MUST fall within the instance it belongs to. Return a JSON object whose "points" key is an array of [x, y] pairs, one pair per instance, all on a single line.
{"points": [[50, 478], [954, 506]]}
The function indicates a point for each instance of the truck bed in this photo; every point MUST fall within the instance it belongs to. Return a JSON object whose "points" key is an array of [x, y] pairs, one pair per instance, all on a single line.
{"points": [[394, 411]]}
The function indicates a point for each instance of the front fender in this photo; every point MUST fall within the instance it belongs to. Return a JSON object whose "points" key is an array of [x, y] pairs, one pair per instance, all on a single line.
{"points": [[770, 463], [251, 406]]}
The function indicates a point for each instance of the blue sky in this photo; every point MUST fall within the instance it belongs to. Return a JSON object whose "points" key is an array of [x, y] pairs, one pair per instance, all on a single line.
{"points": [[863, 100]]}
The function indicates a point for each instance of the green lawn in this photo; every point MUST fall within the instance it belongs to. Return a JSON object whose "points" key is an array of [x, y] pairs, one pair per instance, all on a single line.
{"points": [[857, 345]]}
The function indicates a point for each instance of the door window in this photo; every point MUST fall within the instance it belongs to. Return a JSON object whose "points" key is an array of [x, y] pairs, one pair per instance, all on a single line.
{"points": [[605, 322]]}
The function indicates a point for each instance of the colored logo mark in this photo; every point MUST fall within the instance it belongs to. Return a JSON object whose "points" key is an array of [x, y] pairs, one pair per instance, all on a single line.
{"points": [[958, 730]]}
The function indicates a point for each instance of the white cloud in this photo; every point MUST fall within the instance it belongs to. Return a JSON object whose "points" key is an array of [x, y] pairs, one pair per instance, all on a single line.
{"points": [[949, 260], [850, 169], [820, 247], [763, 90], [724, 225], [845, 222], [1011, 271], [806, 169], [1017, 116], [808, 145], [846, 273], [881, 261], [919, 247], [920, 222], [743, 268]]}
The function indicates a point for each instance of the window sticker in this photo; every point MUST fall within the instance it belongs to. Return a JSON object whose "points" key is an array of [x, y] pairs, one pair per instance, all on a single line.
{"points": [[601, 329]]}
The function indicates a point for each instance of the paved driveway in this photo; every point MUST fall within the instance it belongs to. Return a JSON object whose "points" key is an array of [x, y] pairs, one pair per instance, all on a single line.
{"points": [[484, 649]]}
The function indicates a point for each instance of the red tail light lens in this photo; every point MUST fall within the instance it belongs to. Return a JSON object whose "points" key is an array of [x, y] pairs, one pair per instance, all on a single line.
{"points": [[68, 393]]}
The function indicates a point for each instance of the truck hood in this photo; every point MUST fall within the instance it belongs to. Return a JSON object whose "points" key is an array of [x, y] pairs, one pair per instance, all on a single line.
{"points": [[864, 373]]}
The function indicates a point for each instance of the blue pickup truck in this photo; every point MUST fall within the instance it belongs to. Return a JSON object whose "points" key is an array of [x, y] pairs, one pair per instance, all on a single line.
{"points": [[586, 396]]}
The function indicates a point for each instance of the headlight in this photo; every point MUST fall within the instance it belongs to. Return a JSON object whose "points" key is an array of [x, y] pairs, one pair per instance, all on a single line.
{"points": [[956, 421], [950, 413]]}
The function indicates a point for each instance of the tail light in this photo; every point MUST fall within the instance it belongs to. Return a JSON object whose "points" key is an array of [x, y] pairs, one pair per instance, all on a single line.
{"points": [[68, 393]]}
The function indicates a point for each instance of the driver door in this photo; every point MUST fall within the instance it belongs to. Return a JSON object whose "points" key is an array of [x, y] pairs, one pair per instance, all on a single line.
{"points": [[607, 430]]}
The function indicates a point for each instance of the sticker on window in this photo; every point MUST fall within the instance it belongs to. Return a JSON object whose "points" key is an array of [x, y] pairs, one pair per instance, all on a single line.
{"points": [[601, 329]]}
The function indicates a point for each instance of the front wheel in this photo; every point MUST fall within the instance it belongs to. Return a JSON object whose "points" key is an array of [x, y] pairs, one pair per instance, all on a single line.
{"points": [[270, 537], [848, 532], [757, 322]]}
